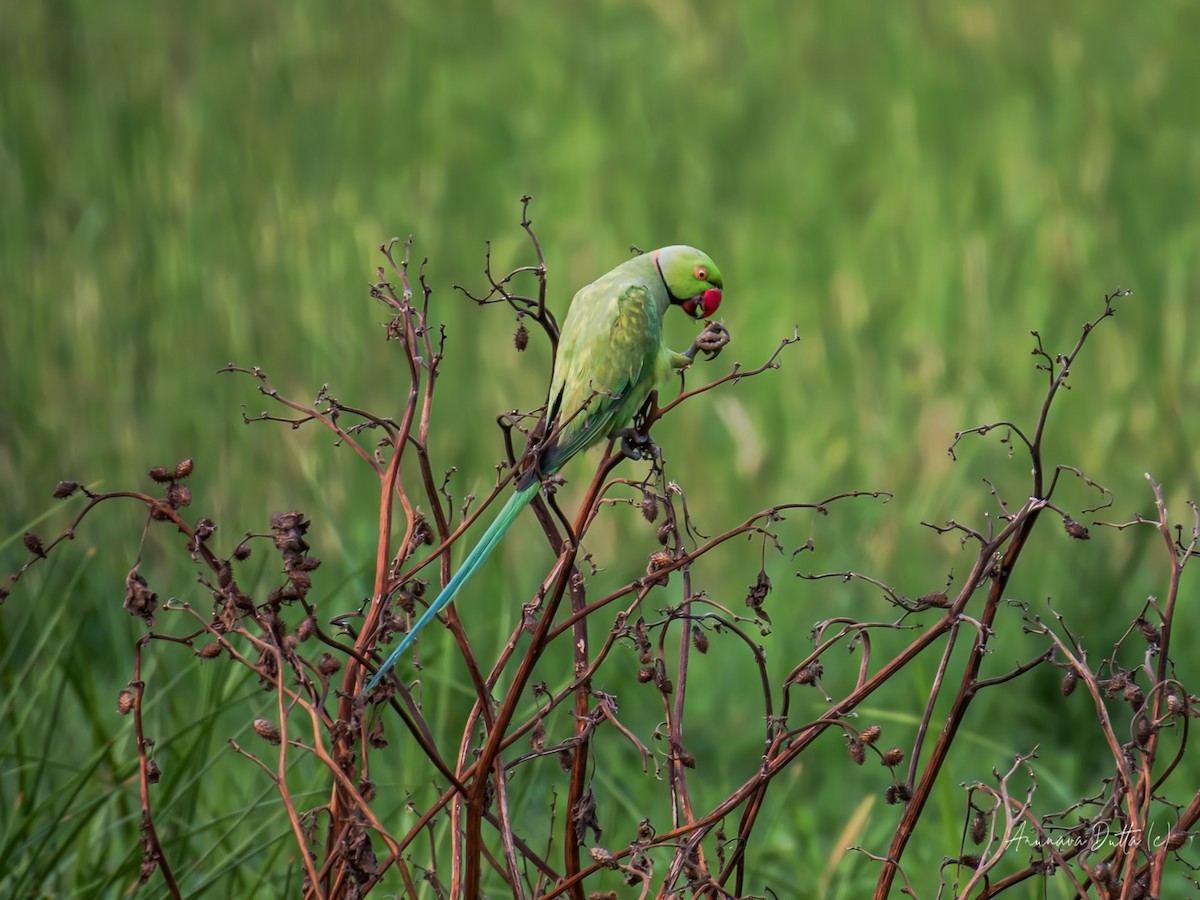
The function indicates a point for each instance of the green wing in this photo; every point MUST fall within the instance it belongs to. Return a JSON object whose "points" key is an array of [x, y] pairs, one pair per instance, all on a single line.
{"points": [[607, 357]]}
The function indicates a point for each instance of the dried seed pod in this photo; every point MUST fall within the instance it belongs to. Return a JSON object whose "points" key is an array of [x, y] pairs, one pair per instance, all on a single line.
{"points": [[300, 581], [208, 651], [241, 551], [139, 599], [978, 828], [178, 495], [869, 735], [1149, 632], [699, 639], [1075, 530], [376, 737], [659, 559], [125, 702], [1069, 681], [65, 489], [521, 338], [758, 593], [162, 474], [857, 752], [649, 506], [937, 598], [1134, 696], [1142, 730], [604, 858], [268, 731], [153, 772], [33, 544], [328, 664], [184, 468], [809, 674], [892, 757]]}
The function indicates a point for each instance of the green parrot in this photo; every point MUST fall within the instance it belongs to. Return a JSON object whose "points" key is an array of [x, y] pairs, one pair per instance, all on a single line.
{"points": [[610, 356]]}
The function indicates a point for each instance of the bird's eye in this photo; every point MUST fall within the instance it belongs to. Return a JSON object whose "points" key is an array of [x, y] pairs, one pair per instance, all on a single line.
{"points": [[701, 273]]}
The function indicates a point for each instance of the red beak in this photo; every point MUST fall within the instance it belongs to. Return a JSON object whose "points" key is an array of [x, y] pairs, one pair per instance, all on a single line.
{"points": [[702, 305]]}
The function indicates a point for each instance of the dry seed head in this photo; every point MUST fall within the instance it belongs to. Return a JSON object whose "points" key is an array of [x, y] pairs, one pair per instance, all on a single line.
{"points": [[184, 469], [699, 639], [978, 828], [603, 857], [1069, 681], [649, 506], [1142, 730], [153, 772], [268, 731], [65, 489], [162, 474], [521, 338], [869, 735], [810, 673], [858, 753], [328, 664], [1075, 530], [33, 544], [178, 495], [125, 702], [208, 651], [1149, 632], [205, 529], [659, 560], [892, 757], [1134, 695]]}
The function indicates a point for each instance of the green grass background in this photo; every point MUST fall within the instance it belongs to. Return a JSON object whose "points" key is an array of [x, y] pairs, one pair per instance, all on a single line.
{"points": [[914, 186]]}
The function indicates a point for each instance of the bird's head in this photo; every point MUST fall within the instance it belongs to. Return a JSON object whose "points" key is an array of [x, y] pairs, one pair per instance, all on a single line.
{"points": [[691, 278]]}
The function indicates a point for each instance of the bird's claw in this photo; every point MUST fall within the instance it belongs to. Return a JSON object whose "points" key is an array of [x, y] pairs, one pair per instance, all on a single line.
{"points": [[636, 445], [710, 341]]}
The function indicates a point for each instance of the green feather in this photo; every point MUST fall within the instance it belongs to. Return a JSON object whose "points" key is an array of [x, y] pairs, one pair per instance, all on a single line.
{"points": [[474, 560]]}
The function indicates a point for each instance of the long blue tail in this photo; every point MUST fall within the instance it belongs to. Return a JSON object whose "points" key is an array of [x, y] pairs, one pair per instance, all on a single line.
{"points": [[474, 560]]}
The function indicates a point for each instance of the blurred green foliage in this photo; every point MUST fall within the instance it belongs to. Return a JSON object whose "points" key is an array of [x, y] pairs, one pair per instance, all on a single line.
{"points": [[912, 186]]}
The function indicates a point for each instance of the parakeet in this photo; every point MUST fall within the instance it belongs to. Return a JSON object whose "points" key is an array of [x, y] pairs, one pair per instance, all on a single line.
{"points": [[610, 356]]}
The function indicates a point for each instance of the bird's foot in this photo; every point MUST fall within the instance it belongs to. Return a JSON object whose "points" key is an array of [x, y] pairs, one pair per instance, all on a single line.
{"points": [[710, 341], [638, 445]]}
